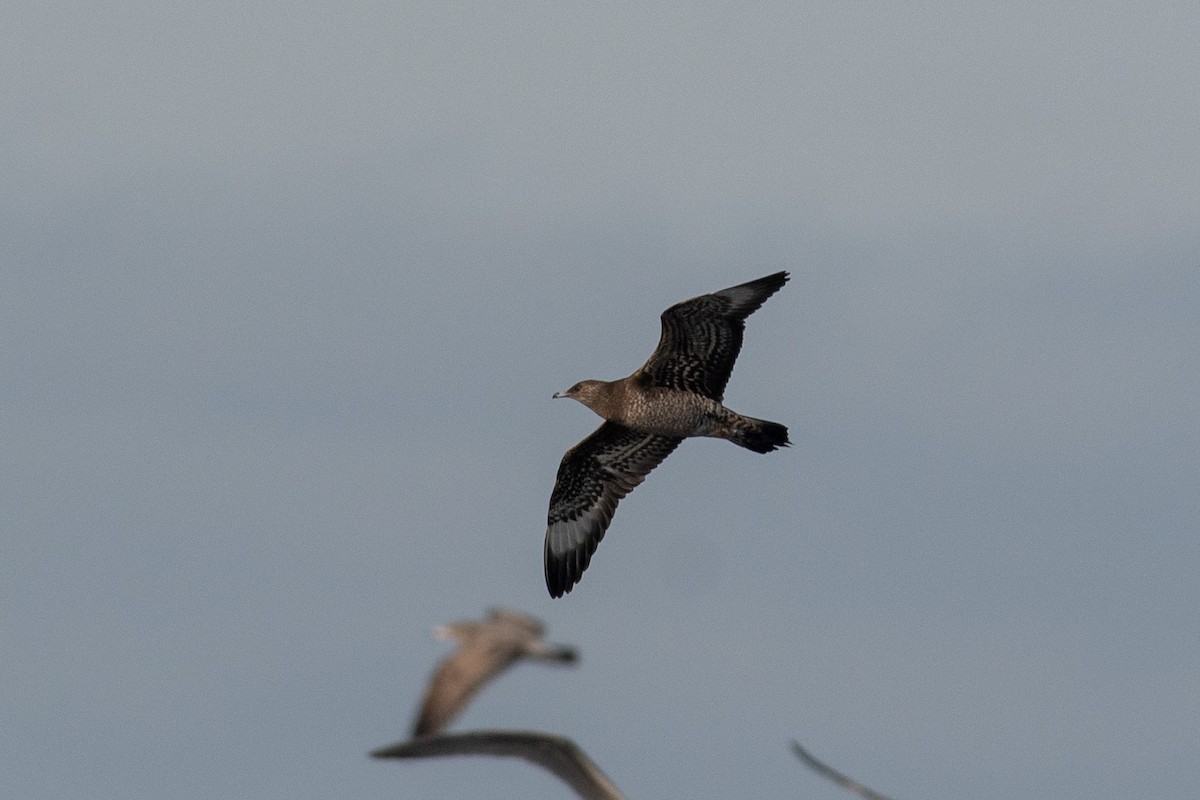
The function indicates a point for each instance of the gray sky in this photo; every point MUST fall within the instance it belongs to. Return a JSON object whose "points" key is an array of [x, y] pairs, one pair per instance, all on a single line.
{"points": [[287, 289]]}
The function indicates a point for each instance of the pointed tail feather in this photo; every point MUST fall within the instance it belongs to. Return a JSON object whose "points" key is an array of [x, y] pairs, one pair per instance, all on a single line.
{"points": [[759, 435]]}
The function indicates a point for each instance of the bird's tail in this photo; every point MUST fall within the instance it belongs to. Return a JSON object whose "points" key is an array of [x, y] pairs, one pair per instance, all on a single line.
{"points": [[758, 435]]}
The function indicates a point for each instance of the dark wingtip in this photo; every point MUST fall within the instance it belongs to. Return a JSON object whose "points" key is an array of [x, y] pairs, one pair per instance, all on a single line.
{"points": [[772, 282], [566, 570], [560, 582], [397, 750], [749, 297]]}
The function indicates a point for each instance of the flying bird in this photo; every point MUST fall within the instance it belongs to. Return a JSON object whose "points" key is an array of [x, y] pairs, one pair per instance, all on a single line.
{"points": [[557, 754], [487, 648], [677, 393]]}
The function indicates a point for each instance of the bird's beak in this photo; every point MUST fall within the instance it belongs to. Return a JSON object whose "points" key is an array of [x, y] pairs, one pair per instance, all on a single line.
{"points": [[557, 395]]}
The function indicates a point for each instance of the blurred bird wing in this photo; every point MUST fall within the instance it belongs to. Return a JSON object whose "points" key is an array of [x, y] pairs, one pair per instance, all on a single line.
{"points": [[557, 754]]}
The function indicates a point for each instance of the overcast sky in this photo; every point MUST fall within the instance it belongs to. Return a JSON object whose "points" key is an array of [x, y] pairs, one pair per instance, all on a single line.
{"points": [[287, 288]]}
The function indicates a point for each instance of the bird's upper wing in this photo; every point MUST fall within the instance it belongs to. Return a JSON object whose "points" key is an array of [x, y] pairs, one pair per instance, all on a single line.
{"points": [[701, 338], [593, 476], [557, 754]]}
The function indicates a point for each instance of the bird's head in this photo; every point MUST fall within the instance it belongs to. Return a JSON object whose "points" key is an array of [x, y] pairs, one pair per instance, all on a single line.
{"points": [[455, 631], [591, 393]]}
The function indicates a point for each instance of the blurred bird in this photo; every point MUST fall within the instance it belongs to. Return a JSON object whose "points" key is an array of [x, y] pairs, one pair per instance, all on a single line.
{"points": [[557, 754], [677, 393], [841, 779], [487, 648]]}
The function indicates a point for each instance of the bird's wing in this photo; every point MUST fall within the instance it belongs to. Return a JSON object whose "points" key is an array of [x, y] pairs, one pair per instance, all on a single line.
{"points": [[557, 754], [592, 478], [457, 679], [701, 338], [821, 768]]}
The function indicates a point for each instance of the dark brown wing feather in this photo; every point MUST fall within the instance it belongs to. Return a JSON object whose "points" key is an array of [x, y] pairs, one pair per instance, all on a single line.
{"points": [[592, 478], [701, 338]]}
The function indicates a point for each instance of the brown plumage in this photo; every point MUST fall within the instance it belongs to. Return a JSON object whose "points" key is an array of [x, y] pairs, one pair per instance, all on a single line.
{"points": [[559, 755], [487, 648], [677, 393]]}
